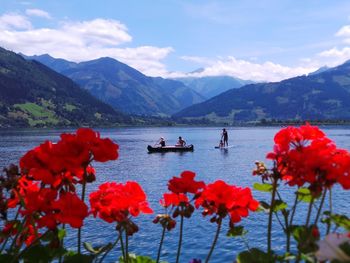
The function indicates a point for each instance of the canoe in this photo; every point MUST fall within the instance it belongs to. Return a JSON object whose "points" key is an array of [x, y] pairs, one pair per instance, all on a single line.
{"points": [[188, 148]]}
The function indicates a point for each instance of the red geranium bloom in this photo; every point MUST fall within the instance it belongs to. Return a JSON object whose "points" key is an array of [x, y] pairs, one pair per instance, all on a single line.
{"points": [[305, 155], [222, 199], [185, 184], [171, 199], [72, 210], [114, 202], [66, 162]]}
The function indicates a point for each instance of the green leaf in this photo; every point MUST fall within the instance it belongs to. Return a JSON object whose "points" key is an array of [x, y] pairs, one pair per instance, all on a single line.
{"points": [[307, 258], [236, 231], [137, 259], [6, 258], [306, 241], [78, 258], [304, 195], [41, 253], [263, 207], [298, 232], [339, 220], [345, 247], [279, 205], [36, 254], [97, 249], [254, 255], [262, 187], [286, 257], [61, 234]]}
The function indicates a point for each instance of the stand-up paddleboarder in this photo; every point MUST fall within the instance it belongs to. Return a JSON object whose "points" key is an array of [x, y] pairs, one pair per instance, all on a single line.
{"points": [[224, 137]]}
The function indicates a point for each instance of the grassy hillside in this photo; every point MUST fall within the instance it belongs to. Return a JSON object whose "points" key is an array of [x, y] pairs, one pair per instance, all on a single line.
{"points": [[32, 95]]}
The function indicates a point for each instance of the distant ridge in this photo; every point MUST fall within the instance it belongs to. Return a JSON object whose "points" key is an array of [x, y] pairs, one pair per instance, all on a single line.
{"points": [[33, 95], [213, 85], [125, 88], [318, 96]]}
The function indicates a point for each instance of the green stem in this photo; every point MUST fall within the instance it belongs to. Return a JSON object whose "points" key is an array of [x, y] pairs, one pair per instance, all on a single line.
{"points": [[306, 224], [269, 227], [180, 238], [16, 236], [82, 198], [309, 212], [127, 246], [214, 242], [287, 230], [62, 244], [320, 208], [330, 210], [108, 250], [122, 244], [160, 244], [293, 209]]}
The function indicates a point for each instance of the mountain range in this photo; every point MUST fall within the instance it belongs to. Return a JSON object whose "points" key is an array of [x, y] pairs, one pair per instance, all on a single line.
{"points": [[318, 96], [33, 95], [125, 88]]}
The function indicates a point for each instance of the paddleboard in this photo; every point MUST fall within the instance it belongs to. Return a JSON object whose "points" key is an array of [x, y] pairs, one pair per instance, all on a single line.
{"points": [[226, 147]]}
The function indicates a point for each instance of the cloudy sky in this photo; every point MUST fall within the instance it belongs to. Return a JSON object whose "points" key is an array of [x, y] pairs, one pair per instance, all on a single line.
{"points": [[265, 40]]}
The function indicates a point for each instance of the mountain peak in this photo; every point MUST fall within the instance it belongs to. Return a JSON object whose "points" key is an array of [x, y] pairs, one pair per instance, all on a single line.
{"points": [[320, 70], [198, 70]]}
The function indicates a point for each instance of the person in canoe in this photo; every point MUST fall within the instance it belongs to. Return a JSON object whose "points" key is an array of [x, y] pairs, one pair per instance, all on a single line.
{"points": [[161, 142], [224, 137], [181, 142]]}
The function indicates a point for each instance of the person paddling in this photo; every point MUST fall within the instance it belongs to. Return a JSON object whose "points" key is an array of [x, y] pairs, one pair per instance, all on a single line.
{"points": [[161, 142], [224, 137], [181, 142]]}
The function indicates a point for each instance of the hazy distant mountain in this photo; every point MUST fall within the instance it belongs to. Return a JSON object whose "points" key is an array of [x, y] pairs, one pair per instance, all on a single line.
{"points": [[198, 70], [325, 95], [32, 94], [212, 86], [56, 64], [124, 87]]}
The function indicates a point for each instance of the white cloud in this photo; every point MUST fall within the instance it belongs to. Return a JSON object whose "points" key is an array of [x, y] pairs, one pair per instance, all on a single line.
{"points": [[244, 69], [13, 21], [196, 59], [38, 13], [338, 54], [335, 56], [81, 41]]}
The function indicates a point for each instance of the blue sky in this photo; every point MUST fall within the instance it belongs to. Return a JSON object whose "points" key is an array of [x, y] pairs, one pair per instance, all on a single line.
{"points": [[258, 40]]}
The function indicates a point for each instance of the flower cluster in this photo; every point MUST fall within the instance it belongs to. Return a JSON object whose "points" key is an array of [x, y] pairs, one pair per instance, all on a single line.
{"points": [[67, 161], [220, 199], [116, 202], [305, 155], [45, 190], [179, 188]]}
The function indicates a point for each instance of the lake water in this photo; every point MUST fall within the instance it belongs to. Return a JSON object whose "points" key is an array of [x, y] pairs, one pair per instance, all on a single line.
{"points": [[153, 171]]}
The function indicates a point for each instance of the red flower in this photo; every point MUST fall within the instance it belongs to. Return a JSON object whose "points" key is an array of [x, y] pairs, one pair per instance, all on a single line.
{"points": [[72, 210], [115, 202], [171, 199], [222, 199], [185, 184], [65, 162], [306, 156]]}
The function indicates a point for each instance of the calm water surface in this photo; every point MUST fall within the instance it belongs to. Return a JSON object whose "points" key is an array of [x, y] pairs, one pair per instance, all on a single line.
{"points": [[153, 171]]}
